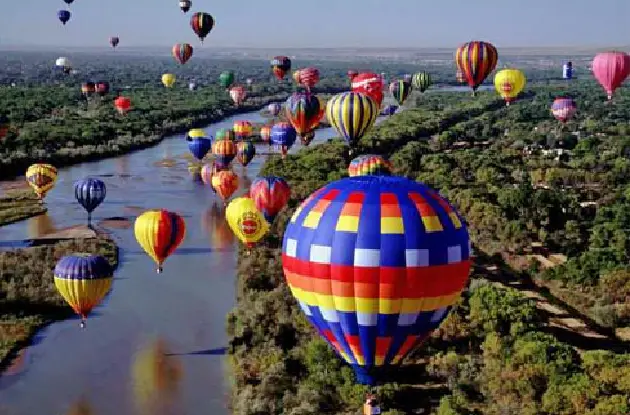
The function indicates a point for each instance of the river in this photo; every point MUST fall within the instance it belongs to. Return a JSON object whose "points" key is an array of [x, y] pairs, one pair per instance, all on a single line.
{"points": [[156, 345]]}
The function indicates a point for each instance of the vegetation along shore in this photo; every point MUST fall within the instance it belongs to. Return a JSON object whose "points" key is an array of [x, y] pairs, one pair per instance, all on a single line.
{"points": [[540, 328]]}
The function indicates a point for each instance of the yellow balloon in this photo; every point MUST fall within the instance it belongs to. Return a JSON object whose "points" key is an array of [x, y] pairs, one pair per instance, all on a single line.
{"points": [[197, 133], [246, 221], [509, 83], [159, 233], [41, 177], [168, 79]]}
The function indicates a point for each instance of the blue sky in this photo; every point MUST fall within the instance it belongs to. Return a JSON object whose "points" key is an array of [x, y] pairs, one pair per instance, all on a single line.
{"points": [[328, 23]]}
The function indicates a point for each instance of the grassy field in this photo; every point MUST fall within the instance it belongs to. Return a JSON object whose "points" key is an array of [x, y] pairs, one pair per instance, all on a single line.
{"points": [[18, 205], [28, 298]]}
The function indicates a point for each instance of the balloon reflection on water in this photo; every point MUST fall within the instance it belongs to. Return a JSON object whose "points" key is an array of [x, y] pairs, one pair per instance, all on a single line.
{"points": [[81, 407], [156, 378], [213, 221], [40, 225]]}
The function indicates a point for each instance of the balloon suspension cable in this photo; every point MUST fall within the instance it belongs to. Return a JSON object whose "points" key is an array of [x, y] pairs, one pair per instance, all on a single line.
{"points": [[82, 324], [159, 269]]}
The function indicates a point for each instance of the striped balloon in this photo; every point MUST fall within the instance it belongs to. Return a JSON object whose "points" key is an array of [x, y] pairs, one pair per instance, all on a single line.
{"points": [[400, 90], [41, 177], [280, 65], [476, 60], [90, 193], [369, 165], [375, 263], [421, 81], [307, 77], [224, 151], [83, 280], [245, 152], [206, 174], [563, 109], [352, 114], [305, 111], [270, 194], [283, 135], [242, 129], [274, 108], [265, 134], [182, 52], [225, 134], [225, 183], [159, 233], [201, 24]]}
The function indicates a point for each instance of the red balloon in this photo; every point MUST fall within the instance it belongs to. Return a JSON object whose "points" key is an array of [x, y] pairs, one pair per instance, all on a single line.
{"points": [[370, 84], [308, 77], [611, 69], [122, 104]]}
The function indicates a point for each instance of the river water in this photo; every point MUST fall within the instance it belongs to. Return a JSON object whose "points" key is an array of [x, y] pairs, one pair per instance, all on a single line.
{"points": [[156, 344]]}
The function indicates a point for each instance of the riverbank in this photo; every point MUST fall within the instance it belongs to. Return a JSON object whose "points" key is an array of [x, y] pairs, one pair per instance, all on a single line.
{"points": [[501, 349], [29, 298], [19, 204]]}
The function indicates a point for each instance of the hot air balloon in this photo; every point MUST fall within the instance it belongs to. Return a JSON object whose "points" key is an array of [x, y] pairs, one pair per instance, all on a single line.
{"points": [[242, 129], [88, 88], [296, 76], [224, 151], [238, 94], [68, 1], [369, 165], [611, 69], [123, 105], [64, 64], [509, 83], [375, 292], [352, 114], [182, 52], [64, 16], [400, 90], [304, 111], [195, 133], [265, 134], [102, 88], [370, 84], [225, 183], [206, 173], [270, 195], [41, 177], [83, 280], [202, 24], [283, 135], [245, 152], [192, 86], [307, 137], [90, 193], [421, 81], [389, 110], [168, 79], [249, 81], [351, 74], [114, 41], [280, 65], [226, 79], [567, 70], [274, 108], [476, 60], [185, 5], [225, 134], [563, 109], [199, 147], [159, 233], [5, 124], [308, 77], [247, 223]]}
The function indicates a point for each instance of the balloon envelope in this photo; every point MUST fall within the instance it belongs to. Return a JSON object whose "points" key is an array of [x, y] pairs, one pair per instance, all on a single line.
{"points": [[509, 83], [90, 193], [611, 69], [247, 223], [41, 177], [369, 165], [270, 194], [159, 233]]}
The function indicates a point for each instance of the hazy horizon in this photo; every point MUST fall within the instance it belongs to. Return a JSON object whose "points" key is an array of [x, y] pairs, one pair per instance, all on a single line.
{"points": [[332, 24]]}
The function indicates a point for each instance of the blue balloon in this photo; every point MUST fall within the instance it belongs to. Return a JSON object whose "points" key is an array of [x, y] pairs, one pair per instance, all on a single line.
{"points": [[283, 135], [389, 110], [90, 193], [64, 16], [199, 147]]}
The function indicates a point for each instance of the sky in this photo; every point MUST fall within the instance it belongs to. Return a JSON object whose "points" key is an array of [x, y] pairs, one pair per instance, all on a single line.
{"points": [[321, 23]]}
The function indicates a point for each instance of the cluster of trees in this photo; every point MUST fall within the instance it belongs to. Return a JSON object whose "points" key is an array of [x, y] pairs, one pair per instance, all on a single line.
{"points": [[496, 352]]}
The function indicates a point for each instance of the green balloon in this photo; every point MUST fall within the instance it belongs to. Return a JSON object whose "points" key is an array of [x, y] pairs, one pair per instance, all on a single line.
{"points": [[226, 79]]}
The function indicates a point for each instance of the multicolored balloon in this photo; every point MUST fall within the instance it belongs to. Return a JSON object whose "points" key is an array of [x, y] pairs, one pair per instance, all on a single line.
{"points": [[375, 293], [476, 60], [225, 134], [245, 152], [400, 90], [274, 108], [83, 280], [243, 129], [182, 52], [88, 88], [159, 233], [308, 77], [304, 111], [225, 183], [102, 88], [270, 195], [265, 134], [41, 177], [280, 65], [238, 94], [370, 165], [283, 135], [224, 151], [246, 221], [201, 24], [567, 70], [185, 5], [352, 114], [370, 84], [509, 83], [563, 109], [90, 193], [421, 81], [307, 137], [64, 16], [351, 74], [611, 69]]}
